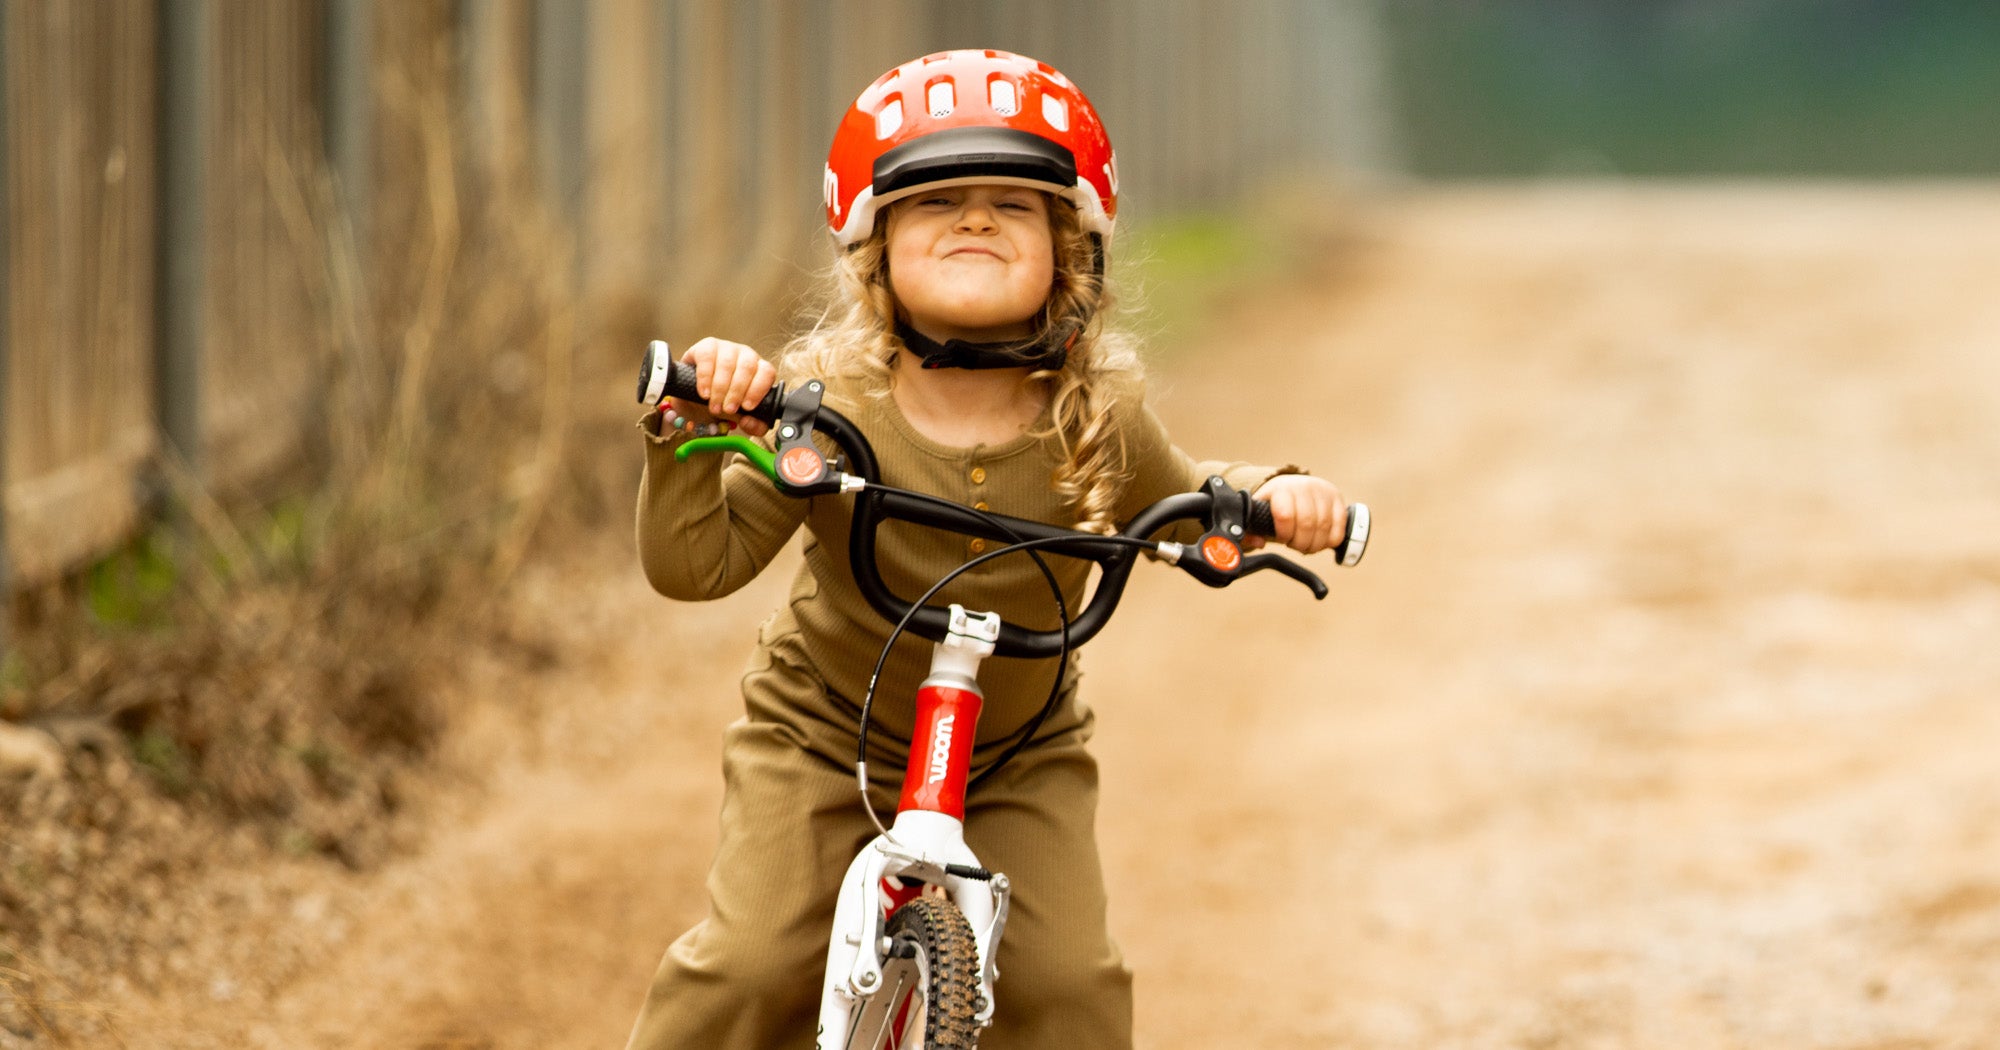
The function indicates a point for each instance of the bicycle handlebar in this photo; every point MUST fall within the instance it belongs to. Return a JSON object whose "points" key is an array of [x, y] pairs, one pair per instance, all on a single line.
{"points": [[1215, 559], [661, 377]]}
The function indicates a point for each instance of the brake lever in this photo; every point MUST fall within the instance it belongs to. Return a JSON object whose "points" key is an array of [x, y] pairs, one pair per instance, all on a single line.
{"points": [[1259, 562]]}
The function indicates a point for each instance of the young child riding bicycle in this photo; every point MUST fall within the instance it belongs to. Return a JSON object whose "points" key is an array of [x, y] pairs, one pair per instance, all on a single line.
{"points": [[972, 196]]}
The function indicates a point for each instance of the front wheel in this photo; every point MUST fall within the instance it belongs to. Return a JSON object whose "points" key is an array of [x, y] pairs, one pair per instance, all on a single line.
{"points": [[930, 981]]}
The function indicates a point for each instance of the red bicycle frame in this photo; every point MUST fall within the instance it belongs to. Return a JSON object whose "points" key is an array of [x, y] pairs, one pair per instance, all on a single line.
{"points": [[925, 846]]}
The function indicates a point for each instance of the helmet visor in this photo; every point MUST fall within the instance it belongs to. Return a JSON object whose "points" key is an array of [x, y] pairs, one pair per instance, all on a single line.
{"points": [[971, 153]]}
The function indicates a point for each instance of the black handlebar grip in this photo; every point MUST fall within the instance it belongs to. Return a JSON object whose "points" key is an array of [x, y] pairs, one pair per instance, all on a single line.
{"points": [[1352, 543], [661, 377], [1259, 520]]}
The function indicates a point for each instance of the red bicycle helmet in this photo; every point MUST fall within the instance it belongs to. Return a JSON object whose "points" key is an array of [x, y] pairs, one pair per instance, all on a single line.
{"points": [[960, 117]]}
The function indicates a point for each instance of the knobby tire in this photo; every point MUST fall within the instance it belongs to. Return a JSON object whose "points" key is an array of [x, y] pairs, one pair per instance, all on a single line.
{"points": [[934, 927]]}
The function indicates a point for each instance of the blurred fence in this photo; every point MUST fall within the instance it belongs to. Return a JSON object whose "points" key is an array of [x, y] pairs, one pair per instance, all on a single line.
{"points": [[167, 163]]}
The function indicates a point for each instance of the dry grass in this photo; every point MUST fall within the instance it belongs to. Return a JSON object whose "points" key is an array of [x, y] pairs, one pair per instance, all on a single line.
{"points": [[271, 678]]}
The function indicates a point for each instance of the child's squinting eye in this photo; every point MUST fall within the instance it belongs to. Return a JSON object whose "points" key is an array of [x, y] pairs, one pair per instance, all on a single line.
{"points": [[943, 200]]}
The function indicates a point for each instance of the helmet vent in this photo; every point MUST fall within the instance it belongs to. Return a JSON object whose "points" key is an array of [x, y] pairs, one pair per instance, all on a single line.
{"points": [[941, 99], [1055, 112], [889, 118], [1006, 101]]}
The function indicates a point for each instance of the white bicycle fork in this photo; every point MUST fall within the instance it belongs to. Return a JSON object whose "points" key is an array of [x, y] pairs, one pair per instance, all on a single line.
{"points": [[927, 836]]}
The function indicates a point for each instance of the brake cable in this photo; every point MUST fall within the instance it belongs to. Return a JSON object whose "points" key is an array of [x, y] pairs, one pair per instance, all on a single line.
{"points": [[1021, 737]]}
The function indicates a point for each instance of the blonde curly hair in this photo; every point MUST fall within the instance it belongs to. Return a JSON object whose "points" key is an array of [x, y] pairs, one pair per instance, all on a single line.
{"points": [[854, 336]]}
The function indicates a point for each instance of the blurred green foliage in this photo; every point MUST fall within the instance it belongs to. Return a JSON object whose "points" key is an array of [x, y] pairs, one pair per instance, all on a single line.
{"points": [[1180, 266], [157, 752], [134, 586], [1688, 87], [287, 535]]}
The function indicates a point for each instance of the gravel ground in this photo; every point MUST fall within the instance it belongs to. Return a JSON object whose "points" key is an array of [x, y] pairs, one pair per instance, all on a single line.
{"points": [[1660, 716]]}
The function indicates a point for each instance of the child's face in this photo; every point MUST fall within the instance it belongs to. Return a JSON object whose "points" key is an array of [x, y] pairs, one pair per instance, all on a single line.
{"points": [[972, 262]]}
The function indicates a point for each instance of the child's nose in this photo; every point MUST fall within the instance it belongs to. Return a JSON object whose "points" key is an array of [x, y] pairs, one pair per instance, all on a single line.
{"points": [[975, 218]]}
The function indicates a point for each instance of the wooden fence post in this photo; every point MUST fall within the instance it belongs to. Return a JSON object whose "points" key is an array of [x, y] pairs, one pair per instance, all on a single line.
{"points": [[560, 36], [7, 154], [492, 32], [349, 115], [183, 133], [1353, 72]]}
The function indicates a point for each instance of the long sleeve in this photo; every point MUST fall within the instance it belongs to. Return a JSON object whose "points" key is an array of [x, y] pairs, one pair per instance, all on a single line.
{"points": [[709, 525]]}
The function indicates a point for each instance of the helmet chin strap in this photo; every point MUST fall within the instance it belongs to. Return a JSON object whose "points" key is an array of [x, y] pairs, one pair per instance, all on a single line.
{"points": [[1047, 353]]}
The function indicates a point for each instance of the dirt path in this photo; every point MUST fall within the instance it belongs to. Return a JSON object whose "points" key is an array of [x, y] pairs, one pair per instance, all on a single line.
{"points": [[1662, 714]]}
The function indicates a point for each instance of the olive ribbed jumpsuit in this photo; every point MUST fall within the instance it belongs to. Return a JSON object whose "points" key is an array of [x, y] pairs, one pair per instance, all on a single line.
{"points": [[748, 977]]}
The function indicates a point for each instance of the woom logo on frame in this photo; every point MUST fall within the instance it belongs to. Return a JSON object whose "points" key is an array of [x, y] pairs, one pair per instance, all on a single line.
{"points": [[941, 749]]}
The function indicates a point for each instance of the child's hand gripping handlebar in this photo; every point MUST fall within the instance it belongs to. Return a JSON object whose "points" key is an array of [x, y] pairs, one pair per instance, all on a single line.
{"points": [[799, 468]]}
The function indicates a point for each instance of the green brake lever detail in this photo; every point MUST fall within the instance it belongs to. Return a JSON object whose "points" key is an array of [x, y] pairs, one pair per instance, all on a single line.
{"points": [[750, 450]]}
